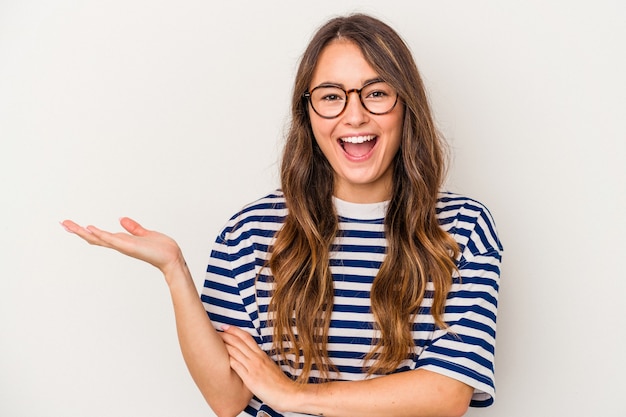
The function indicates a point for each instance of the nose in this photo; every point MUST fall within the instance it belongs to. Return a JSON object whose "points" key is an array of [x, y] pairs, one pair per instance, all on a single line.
{"points": [[355, 114]]}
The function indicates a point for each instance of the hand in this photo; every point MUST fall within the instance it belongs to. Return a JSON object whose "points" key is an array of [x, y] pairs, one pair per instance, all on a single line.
{"points": [[149, 246], [258, 372]]}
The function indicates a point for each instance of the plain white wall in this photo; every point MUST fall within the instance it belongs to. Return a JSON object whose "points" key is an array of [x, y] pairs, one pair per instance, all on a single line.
{"points": [[174, 112]]}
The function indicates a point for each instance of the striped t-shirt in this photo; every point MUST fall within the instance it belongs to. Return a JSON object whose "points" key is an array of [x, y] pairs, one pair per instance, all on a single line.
{"points": [[236, 290]]}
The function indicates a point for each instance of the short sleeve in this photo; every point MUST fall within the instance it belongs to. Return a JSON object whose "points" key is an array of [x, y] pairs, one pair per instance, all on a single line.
{"points": [[228, 291], [466, 350]]}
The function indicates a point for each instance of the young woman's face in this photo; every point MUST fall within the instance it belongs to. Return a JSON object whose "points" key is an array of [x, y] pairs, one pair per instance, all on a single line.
{"points": [[360, 146]]}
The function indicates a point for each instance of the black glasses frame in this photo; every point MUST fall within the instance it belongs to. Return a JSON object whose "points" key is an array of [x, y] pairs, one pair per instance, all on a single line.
{"points": [[307, 95]]}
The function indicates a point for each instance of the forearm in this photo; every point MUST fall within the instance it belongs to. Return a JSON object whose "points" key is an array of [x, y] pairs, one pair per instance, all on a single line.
{"points": [[203, 349], [412, 393]]}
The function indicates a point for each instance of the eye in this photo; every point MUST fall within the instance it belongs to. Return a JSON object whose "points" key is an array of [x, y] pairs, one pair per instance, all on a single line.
{"points": [[331, 97], [378, 91], [377, 94]]}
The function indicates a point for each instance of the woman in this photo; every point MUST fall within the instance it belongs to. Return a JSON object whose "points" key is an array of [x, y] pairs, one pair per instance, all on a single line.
{"points": [[359, 288]]}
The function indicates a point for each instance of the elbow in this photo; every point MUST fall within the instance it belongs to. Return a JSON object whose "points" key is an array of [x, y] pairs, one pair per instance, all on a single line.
{"points": [[228, 407], [457, 406], [453, 401], [457, 410], [229, 402], [226, 410]]}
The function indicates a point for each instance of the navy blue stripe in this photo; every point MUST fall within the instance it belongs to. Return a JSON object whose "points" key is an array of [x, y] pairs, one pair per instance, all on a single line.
{"points": [[218, 318], [480, 280], [253, 232], [221, 287], [352, 294], [347, 324], [353, 278], [471, 340], [474, 294], [351, 340], [365, 234], [350, 220], [355, 263], [359, 249], [342, 308], [474, 308], [218, 302]]}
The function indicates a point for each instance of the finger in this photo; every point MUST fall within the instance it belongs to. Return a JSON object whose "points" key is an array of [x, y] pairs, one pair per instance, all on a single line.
{"points": [[234, 352], [236, 345], [246, 354], [118, 241], [70, 226], [238, 367], [133, 227], [242, 335], [84, 233], [95, 236], [90, 233], [238, 359]]}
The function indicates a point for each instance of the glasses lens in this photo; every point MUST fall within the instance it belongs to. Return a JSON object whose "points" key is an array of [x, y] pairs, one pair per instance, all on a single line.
{"points": [[328, 101], [378, 97]]}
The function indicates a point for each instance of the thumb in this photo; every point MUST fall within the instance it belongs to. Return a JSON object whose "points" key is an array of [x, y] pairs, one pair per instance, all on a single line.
{"points": [[133, 227]]}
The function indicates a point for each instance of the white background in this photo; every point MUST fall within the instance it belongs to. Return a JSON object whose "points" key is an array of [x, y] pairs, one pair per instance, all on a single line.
{"points": [[174, 113]]}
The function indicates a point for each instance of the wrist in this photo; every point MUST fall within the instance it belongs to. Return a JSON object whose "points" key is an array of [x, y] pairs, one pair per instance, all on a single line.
{"points": [[303, 399], [176, 271]]}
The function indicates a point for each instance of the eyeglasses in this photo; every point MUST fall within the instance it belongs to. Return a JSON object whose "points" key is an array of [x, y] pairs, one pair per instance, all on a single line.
{"points": [[330, 100]]}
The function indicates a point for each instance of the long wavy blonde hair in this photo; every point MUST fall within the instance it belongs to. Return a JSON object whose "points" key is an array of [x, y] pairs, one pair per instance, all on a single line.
{"points": [[418, 251]]}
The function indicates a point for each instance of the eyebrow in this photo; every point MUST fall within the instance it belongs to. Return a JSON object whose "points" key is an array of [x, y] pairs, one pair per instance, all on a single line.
{"points": [[332, 84]]}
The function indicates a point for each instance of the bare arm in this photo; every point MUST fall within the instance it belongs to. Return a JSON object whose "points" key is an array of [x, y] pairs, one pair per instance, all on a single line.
{"points": [[203, 349], [412, 393]]}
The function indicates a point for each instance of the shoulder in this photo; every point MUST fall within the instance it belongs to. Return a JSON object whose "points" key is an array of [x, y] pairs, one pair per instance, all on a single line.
{"points": [[265, 213], [470, 223], [269, 204], [451, 206]]}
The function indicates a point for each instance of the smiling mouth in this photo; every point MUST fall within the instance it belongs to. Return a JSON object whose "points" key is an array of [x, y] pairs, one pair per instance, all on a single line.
{"points": [[358, 146]]}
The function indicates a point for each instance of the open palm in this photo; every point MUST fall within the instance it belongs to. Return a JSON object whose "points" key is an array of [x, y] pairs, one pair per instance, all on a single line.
{"points": [[147, 245]]}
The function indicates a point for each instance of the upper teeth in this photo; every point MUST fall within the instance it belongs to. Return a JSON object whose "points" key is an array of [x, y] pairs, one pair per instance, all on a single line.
{"points": [[358, 139]]}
